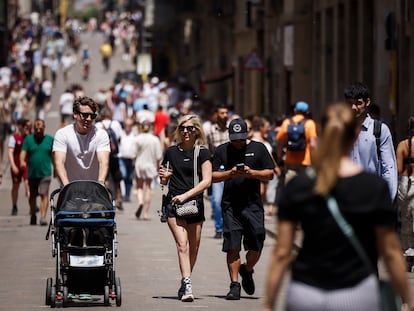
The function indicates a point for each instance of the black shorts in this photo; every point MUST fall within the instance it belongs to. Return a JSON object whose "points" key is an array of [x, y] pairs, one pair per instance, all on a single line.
{"points": [[246, 224], [114, 169], [170, 212]]}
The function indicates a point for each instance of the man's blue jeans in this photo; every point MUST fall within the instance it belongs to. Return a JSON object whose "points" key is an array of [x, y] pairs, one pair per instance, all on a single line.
{"points": [[126, 166], [216, 195]]}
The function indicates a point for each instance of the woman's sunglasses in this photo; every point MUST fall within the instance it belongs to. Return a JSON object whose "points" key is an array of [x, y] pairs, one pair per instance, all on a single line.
{"points": [[85, 115], [189, 128]]}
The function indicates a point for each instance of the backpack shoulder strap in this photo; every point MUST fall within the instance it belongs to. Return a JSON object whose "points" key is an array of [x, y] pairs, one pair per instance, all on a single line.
{"points": [[377, 134]]}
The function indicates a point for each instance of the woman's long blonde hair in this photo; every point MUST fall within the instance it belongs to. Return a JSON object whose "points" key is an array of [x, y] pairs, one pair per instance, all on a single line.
{"points": [[201, 137], [338, 133]]}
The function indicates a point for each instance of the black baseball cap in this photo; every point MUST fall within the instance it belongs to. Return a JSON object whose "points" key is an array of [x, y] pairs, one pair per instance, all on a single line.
{"points": [[238, 129]]}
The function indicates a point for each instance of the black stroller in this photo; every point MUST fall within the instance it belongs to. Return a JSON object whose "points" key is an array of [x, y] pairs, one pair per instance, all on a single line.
{"points": [[84, 242]]}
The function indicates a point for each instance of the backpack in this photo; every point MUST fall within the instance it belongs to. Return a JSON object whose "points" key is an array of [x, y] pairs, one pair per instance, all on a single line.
{"points": [[377, 134], [296, 138], [113, 141]]}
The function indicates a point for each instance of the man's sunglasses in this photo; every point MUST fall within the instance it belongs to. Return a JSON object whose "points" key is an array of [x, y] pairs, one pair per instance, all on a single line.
{"points": [[85, 115], [189, 128]]}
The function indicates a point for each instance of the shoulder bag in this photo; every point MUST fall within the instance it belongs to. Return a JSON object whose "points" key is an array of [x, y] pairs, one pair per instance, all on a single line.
{"points": [[190, 208], [389, 300]]}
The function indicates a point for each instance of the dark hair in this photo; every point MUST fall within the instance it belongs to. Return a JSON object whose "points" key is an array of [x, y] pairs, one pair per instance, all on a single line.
{"points": [[220, 106], [22, 122], [411, 126], [410, 136], [357, 90], [374, 111], [85, 101]]}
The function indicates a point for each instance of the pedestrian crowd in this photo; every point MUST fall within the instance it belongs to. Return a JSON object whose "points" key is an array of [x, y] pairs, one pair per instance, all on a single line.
{"points": [[137, 132]]}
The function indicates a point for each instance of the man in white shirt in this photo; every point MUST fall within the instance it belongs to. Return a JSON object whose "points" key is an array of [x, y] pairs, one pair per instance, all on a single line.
{"points": [[81, 150]]}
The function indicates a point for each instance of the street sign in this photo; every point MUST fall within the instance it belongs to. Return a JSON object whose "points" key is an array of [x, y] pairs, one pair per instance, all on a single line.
{"points": [[253, 61]]}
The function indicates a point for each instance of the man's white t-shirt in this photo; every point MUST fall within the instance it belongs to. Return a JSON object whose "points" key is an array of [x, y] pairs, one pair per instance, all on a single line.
{"points": [[81, 151], [47, 87], [66, 103]]}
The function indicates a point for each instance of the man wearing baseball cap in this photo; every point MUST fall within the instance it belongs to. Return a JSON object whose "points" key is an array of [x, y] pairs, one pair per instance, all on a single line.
{"points": [[242, 164], [296, 160]]}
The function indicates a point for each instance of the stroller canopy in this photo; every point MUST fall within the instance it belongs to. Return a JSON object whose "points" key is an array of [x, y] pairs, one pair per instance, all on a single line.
{"points": [[84, 196]]}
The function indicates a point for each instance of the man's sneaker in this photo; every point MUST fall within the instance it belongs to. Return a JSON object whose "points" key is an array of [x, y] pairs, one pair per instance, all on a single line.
{"points": [[33, 220], [234, 293], [181, 290], [218, 235], [247, 279], [14, 211], [188, 292]]}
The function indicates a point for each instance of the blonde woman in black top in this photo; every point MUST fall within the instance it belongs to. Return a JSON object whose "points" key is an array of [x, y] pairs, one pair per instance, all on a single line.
{"points": [[181, 188]]}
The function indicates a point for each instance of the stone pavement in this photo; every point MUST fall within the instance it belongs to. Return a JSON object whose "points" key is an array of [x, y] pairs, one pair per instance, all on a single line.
{"points": [[147, 264]]}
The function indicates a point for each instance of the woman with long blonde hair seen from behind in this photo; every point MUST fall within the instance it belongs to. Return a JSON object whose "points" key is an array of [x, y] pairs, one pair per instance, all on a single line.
{"points": [[179, 159], [328, 273]]}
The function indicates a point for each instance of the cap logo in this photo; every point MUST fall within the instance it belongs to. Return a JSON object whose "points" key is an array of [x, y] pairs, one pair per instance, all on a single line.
{"points": [[237, 128]]}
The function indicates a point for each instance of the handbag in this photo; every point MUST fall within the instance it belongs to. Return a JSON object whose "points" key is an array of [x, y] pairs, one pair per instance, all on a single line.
{"points": [[389, 300], [190, 208], [187, 209]]}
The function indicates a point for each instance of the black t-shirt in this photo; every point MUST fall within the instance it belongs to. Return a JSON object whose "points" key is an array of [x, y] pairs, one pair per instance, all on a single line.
{"points": [[242, 192], [182, 164], [327, 259]]}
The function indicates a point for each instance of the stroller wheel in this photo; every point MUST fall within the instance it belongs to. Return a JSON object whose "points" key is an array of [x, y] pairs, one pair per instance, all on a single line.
{"points": [[65, 295], [106, 295], [118, 292], [48, 291], [53, 297]]}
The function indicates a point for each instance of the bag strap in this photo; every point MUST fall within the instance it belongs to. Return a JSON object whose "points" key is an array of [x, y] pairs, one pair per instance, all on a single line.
{"points": [[347, 230], [300, 122], [377, 134], [196, 153]]}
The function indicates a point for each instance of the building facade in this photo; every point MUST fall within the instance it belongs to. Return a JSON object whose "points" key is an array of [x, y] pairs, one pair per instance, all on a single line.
{"points": [[262, 56]]}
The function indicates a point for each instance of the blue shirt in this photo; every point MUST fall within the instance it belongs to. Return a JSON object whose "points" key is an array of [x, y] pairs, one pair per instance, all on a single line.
{"points": [[364, 153]]}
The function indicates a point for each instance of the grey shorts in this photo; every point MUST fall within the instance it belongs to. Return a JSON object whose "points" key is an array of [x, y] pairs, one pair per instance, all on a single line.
{"points": [[364, 296], [39, 186]]}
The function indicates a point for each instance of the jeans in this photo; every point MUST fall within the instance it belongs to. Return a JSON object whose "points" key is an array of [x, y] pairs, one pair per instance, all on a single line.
{"points": [[126, 166], [216, 195]]}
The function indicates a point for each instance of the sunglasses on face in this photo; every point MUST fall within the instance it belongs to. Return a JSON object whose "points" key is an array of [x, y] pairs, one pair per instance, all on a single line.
{"points": [[85, 115], [189, 128]]}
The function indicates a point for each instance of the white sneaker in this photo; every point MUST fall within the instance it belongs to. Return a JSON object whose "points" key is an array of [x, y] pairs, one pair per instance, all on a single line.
{"points": [[188, 293]]}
